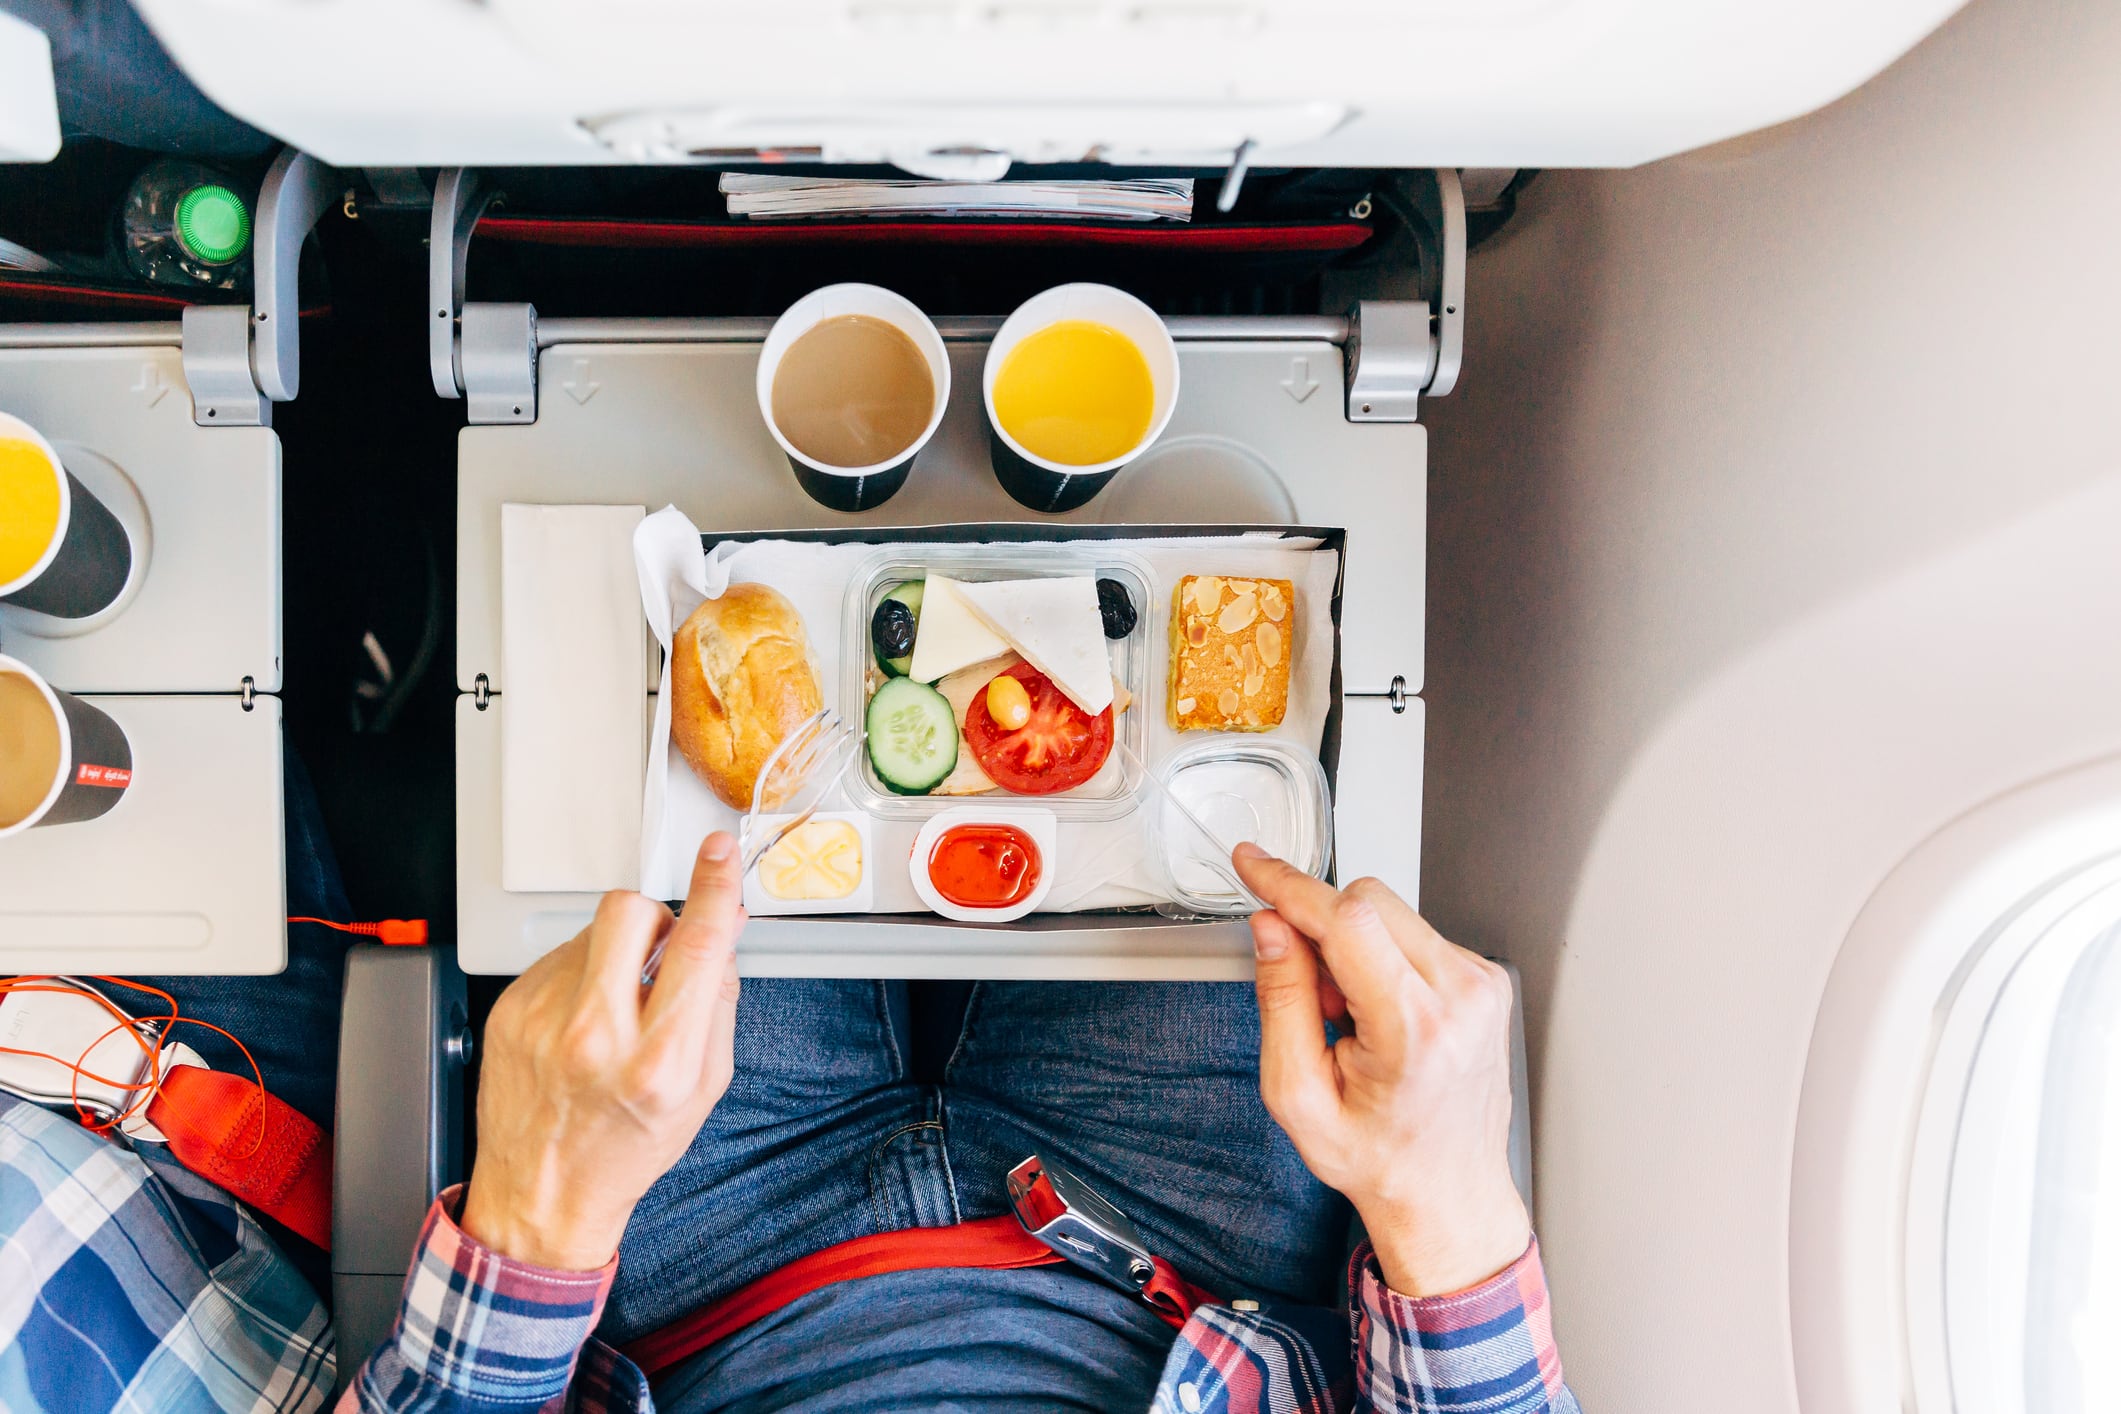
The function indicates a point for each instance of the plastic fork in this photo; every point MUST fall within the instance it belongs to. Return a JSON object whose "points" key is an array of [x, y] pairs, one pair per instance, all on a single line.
{"points": [[795, 780], [1217, 863]]}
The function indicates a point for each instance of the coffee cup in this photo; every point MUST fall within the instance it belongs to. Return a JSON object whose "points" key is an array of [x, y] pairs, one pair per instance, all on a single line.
{"points": [[62, 552], [62, 760], [852, 382], [1104, 386]]}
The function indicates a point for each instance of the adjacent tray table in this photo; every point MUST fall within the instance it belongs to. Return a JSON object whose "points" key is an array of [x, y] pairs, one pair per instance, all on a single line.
{"points": [[183, 876], [1259, 436], [186, 875]]}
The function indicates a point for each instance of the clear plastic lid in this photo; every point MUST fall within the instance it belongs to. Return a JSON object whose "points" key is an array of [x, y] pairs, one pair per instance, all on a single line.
{"points": [[1243, 788], [1110, 794]]}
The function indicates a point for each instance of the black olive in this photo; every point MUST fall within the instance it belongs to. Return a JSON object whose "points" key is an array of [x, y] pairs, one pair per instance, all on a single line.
{"points": [[1115, 607], [892, 629]]}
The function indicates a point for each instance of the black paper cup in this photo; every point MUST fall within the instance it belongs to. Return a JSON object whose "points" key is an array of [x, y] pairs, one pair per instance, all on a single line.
{"points": [[95, 762], [1053, 486], [853, 488], [89, 557]]}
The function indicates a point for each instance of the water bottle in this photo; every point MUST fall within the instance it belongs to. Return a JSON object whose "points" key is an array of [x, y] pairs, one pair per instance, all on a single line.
{"points": [[188, 225]]}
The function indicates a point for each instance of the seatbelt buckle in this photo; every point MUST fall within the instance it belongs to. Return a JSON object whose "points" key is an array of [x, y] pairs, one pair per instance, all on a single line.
{"points": [[69, 1023], [1060, 1209]]}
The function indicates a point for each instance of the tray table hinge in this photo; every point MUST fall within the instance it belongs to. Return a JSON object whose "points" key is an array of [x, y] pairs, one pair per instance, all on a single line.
{"points": [[238, 361], [1399, 349], [486, 354]]}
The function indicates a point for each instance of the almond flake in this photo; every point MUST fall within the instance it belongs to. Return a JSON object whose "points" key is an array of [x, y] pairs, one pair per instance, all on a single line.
{"points": [[1240, 613], [1185, 705], [1272, 604], [1197, 632], [1226, 702], [1269, 640], [1207, 593], [1254, 683]]}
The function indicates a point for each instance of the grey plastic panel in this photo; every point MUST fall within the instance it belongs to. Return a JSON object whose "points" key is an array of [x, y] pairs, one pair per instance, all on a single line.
{"points": [[398, 1139]]}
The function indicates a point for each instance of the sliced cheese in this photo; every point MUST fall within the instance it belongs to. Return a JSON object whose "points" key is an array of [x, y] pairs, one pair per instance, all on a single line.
{"points": [[1056, 625], [949, 637]]}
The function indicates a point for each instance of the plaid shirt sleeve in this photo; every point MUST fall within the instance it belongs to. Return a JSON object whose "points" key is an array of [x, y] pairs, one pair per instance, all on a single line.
{"points": [[1486, 1350], [480, 1331], [1489, 1350], [127, 1283]]}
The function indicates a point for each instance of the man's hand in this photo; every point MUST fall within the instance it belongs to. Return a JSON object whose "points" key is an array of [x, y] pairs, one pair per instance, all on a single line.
{"points": [[1408, 1113], [592, 1087]]}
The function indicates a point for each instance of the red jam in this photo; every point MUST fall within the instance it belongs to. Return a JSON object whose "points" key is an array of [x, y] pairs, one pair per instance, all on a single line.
{"points": [[984, 866]]}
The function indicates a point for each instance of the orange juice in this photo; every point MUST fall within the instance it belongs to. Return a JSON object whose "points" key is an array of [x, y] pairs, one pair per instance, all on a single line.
{"points": [[1075, 393], [29, 507]]}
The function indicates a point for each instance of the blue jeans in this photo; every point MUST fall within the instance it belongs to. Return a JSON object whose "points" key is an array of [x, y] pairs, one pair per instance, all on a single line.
{"points": [[1149, 1090]]}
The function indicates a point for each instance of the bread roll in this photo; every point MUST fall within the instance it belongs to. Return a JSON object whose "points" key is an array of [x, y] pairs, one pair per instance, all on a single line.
{"points": [[742, 678]]}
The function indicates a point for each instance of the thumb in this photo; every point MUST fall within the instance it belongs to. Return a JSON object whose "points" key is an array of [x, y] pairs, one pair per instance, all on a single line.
{"points": [[1295, 1068], [696, 955]]}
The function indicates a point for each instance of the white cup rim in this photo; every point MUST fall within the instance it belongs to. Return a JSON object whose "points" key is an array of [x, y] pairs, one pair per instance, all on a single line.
{"points": [[15, 428], [66, 745], [1032, 315], [824, 303]]}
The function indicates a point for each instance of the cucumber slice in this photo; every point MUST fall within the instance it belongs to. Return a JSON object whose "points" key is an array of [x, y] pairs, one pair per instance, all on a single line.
{"points": [[910, 594], [912, 736]]}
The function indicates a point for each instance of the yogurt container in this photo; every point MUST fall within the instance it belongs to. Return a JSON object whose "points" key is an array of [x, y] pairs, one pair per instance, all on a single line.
{"points": [[1242, 788]]}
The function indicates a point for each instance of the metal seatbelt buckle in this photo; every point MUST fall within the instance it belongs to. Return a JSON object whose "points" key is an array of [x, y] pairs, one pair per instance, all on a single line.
{"points": [[69, 1022], [1061, 1210]]}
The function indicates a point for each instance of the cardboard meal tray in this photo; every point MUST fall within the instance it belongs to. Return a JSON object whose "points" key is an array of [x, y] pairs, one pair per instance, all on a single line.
{"points": [[1105, 931]]}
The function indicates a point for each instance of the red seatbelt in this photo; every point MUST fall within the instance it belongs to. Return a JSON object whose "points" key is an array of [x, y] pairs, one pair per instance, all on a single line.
{"points": [[993, 1244], [212, 1122]]}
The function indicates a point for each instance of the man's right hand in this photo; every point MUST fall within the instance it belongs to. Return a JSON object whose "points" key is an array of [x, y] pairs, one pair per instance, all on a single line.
{"points": [[592, 1086], [1408, 1112]]}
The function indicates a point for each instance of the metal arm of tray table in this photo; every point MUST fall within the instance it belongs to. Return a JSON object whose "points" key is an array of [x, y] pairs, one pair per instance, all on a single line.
{"points": [[404, 1041]]}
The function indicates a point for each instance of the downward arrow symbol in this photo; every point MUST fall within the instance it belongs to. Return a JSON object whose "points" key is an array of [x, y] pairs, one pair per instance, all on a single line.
{"points": [[150, 384], [581, 387], [1299, 384]]}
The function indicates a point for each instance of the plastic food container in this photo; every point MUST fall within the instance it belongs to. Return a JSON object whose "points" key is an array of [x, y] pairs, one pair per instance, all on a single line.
{"points": [[767, 905], [1039, 824], [1243, 788], [1111, 793]]}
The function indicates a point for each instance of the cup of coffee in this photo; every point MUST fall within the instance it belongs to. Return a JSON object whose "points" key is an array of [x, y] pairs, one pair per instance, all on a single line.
{"points": [[853, 381], [62, 552], [1079, 381], [61, 759]]}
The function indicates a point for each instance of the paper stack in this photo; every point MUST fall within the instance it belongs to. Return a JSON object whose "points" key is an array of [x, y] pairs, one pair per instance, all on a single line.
{"points": [[783, 198]]}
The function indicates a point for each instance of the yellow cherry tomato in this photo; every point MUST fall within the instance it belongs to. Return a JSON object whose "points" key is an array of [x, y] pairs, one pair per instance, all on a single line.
{"points": [[1008, 703]]}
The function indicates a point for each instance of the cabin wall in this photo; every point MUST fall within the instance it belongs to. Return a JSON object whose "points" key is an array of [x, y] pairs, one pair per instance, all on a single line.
{"points": [[1776, 522]]}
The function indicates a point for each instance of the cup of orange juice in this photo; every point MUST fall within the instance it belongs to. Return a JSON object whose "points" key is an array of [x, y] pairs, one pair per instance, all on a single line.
{"points": [[61, 550], [1079, 381]]}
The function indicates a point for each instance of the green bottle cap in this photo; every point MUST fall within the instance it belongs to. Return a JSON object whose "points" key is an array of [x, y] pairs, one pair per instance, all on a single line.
{"points": [[212, 224]]}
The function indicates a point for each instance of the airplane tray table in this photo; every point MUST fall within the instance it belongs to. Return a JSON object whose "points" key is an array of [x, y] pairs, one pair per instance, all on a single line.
{"points": [[186, 874], [183, 876], [1259, 436]]}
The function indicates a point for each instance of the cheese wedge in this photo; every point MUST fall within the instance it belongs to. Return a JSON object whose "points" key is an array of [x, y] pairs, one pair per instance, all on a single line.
{"points": [[950, 637], [1055, 624]]}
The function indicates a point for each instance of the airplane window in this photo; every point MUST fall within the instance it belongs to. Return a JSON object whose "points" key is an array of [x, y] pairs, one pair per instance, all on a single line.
{"points": [[2073, 1288], [2032, 1242]]}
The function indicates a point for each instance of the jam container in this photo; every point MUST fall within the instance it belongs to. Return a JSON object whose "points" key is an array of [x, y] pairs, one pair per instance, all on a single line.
{"points": [[828, 865], [1243, 788], [985, 864]]}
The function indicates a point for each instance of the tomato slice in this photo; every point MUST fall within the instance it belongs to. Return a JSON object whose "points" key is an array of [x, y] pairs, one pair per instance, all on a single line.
{"points": [[1058, 749]]}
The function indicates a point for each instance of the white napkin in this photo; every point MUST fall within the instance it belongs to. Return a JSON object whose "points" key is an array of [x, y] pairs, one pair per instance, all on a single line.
{"points": [[1102, 864], [573, 669]]}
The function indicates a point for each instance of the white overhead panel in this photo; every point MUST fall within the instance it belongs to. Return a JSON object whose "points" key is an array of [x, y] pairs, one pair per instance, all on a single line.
{"points": [[959, 86], [29, 106]]}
